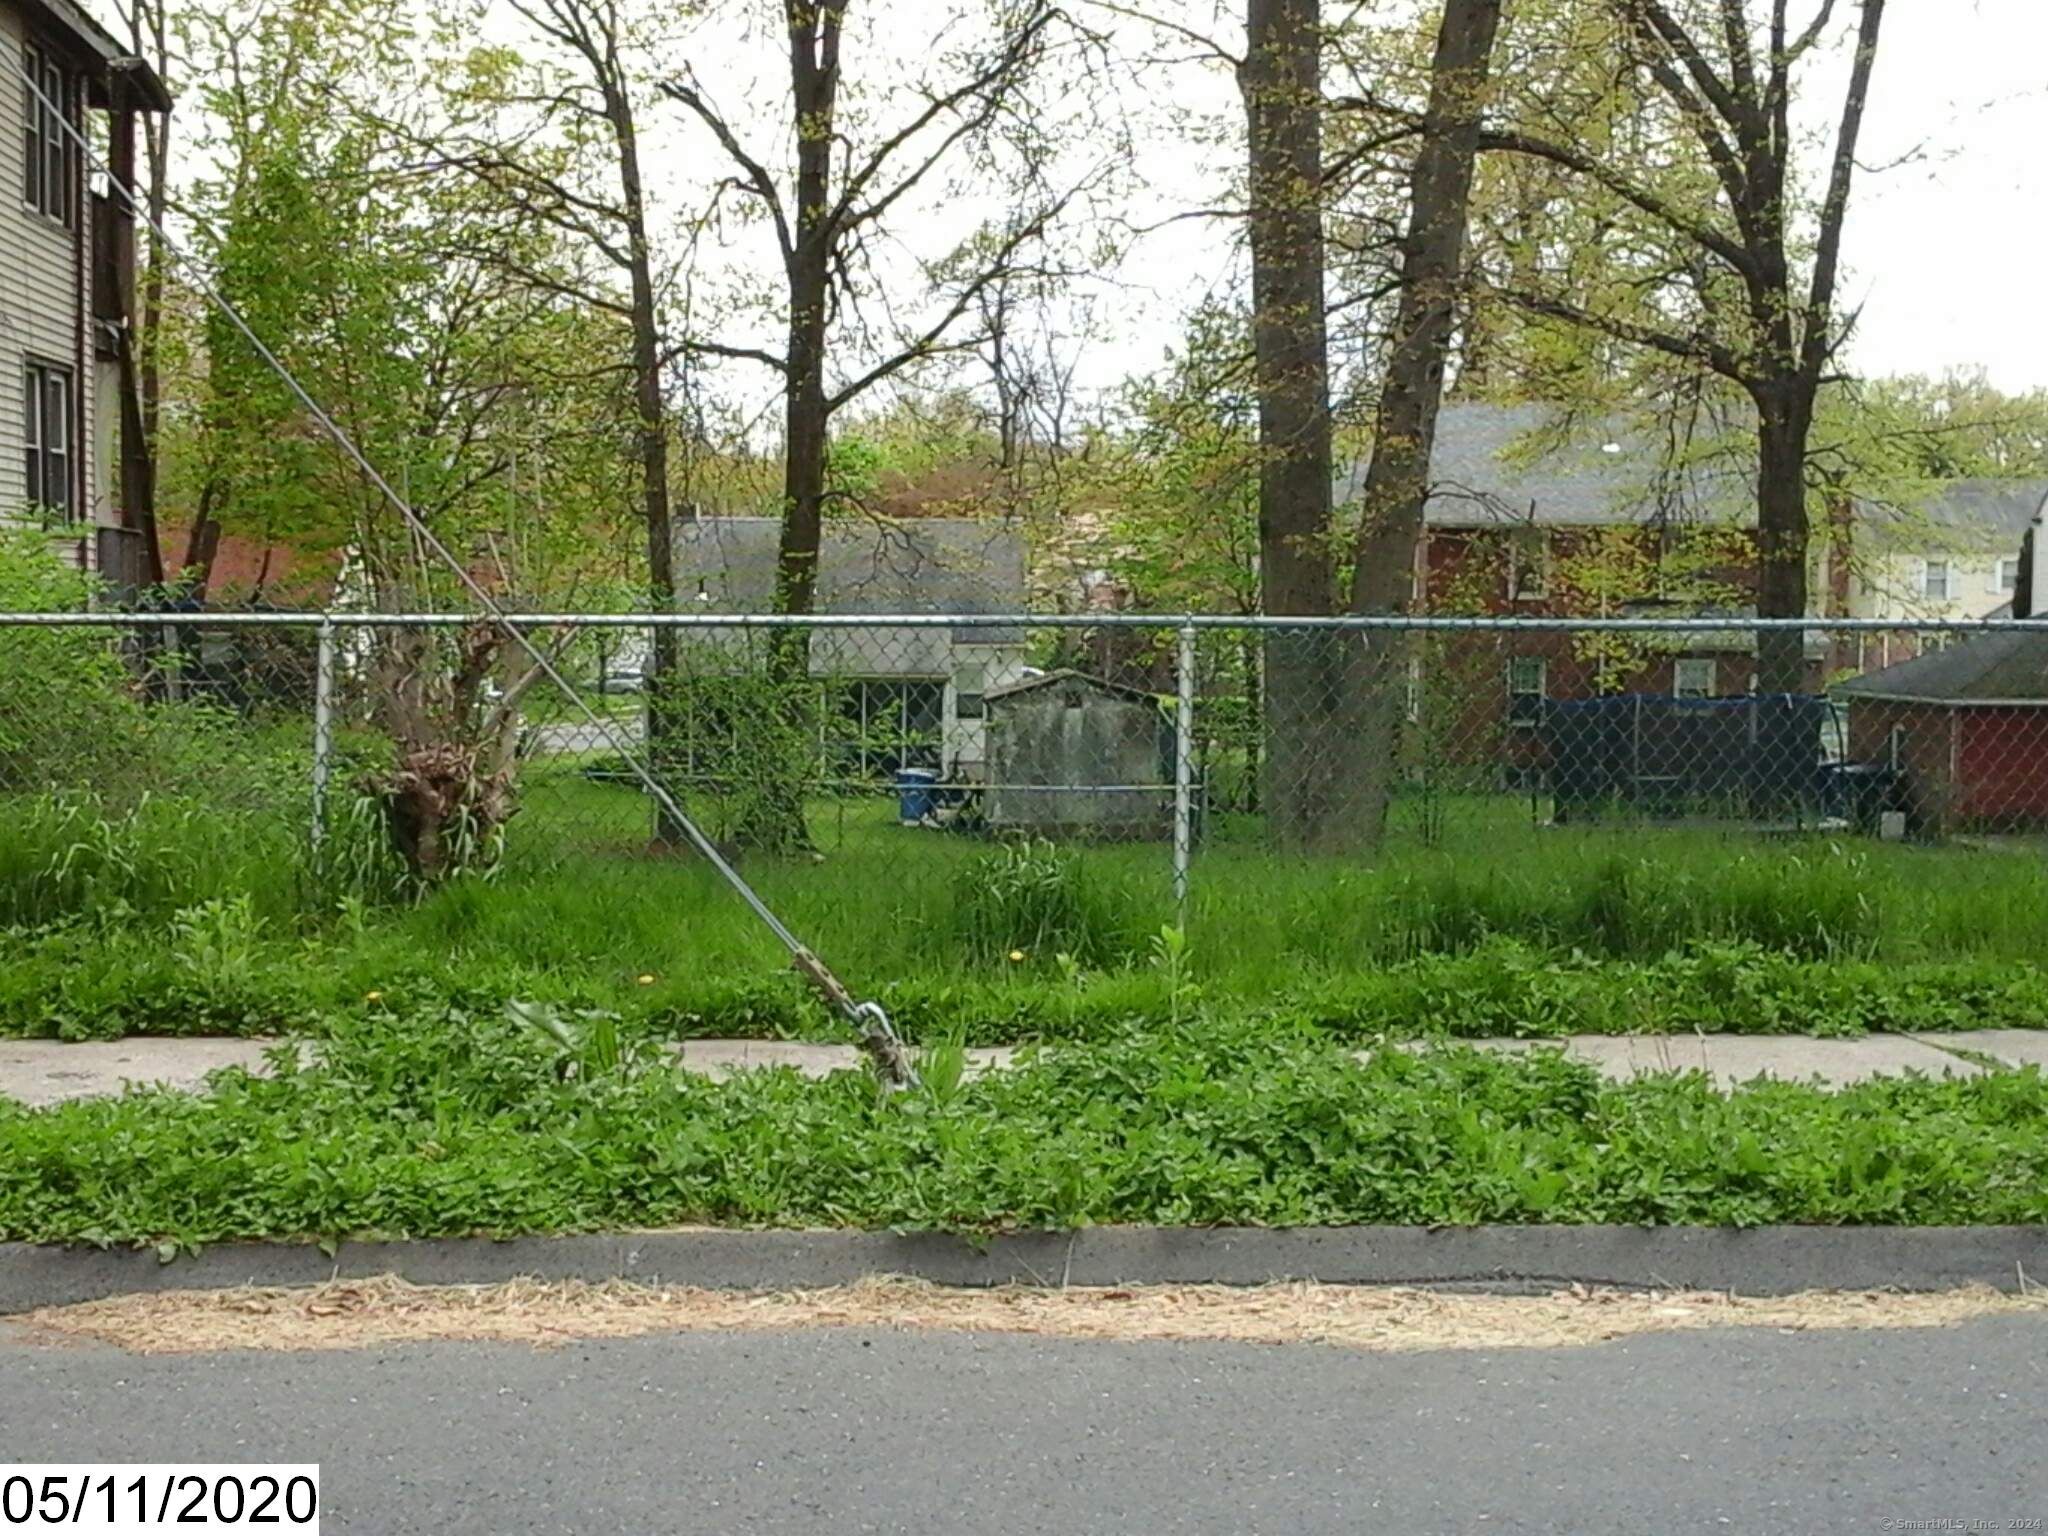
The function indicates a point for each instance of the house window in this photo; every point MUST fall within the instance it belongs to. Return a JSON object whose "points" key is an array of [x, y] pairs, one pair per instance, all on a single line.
{"points": [[47, 418], [968, 683], [1936, 581], [1528, 683], [50, 161], [1528, 565], [1692, 677], [2008, 575], [896, 723]]}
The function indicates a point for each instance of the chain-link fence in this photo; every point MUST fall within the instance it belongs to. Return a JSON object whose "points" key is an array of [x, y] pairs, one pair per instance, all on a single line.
{"points": [[1219, 758]]}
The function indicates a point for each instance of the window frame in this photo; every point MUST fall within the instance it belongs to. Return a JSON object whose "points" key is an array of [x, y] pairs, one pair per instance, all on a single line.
{"points": [[1928, 566], [2005, 576], [882, 713], [970, 687], [1520, 715], [1528, 578], [46, 462], [1678, 670], [50, 161]]}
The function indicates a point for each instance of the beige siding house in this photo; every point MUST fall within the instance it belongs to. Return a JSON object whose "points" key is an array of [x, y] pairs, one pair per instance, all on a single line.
{"points": [[67, 365], [1956, 556]]}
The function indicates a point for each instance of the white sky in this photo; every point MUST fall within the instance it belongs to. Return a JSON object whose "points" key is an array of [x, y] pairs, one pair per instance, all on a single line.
{"points": [[1947, 254]]}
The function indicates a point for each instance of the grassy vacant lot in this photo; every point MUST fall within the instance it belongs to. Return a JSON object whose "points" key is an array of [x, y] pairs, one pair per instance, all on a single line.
{"points": [[1210, 1092], [1247, 1122], [182, 916]]}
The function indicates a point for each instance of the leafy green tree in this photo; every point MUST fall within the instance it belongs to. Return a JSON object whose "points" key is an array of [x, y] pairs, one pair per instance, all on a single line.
{"points": [[425, 317], [1699, 240]]}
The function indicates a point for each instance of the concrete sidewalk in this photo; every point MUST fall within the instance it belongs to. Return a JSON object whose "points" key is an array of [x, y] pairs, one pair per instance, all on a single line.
{"points": [[43, 1072]]}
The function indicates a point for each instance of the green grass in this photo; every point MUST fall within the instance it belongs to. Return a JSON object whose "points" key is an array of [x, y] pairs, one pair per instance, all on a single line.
{"points": [[456, 1123], [1505, 928]]}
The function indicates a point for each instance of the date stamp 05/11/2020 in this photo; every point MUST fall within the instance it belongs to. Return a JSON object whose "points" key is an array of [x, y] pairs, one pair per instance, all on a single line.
{"points": [[162, 1496]]}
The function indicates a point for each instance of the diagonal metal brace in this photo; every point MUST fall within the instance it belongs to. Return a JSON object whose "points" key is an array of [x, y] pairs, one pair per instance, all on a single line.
{"points": [[878, 1036]]}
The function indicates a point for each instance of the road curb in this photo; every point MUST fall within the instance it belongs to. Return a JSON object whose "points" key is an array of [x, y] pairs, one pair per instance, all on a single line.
{"points": [[1760, 1261]]}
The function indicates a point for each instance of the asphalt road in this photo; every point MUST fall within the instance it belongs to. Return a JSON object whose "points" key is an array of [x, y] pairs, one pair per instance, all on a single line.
{"points": [[844, 1431]]}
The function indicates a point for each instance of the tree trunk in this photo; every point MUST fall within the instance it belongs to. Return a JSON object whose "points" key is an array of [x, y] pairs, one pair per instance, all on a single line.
{"points": [[1784, 421], [1786, 749], [202, 541], [1391, 523], [805, 422], [1280, 80], [663, 669], [772, 813], [814, 83]]}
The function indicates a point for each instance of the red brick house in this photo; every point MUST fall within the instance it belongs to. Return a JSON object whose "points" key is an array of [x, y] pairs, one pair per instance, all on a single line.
{"points": [[1523, 524], [1572, 532]]}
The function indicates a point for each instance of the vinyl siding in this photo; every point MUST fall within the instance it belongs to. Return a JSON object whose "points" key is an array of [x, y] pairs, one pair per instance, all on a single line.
{"points": [[42, 305]]}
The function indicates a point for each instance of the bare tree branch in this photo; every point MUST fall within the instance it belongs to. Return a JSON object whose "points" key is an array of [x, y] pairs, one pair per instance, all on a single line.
{"points": [[1208, 45], [754, 172], [1692, 348], [997, 267], [990, 83]]}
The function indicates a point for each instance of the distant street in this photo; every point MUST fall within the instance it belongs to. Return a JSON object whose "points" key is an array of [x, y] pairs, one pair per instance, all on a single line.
{"points": [[581, 736], [831, 1431]]}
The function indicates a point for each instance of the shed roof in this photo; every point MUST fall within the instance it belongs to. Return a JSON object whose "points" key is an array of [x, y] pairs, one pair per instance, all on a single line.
{"points": [[2004, 667], [1069, 675]]}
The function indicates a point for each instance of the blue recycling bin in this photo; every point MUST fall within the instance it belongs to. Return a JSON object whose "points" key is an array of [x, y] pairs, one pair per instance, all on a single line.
{"points": [[915, 798]]}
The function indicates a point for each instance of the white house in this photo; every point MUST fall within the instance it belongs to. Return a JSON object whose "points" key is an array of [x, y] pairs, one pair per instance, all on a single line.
{"points": [[903, 685]]}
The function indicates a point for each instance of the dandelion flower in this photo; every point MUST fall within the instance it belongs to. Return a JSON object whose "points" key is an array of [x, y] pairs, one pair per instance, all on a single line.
{"points": [[1016, 954], [646, 981], [373, 997]]}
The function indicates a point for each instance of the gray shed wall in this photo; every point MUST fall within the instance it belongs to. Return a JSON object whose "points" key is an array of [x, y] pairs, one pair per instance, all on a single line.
{"points": [[1073, 759]]}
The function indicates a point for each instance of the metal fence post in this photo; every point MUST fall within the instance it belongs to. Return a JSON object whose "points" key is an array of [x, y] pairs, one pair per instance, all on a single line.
{"points": [[1183, 772], [323, 730]]}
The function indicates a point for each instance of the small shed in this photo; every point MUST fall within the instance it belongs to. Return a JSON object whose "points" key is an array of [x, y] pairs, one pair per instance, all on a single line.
{"points": [[1965, 728], [1075, 756]]}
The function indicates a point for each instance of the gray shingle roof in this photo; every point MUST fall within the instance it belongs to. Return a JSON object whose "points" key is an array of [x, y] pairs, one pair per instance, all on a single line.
{"points": [[917, 566], [2008, 667], [1500, 465], [925, 565], [1990, 513], [1484, 473]]}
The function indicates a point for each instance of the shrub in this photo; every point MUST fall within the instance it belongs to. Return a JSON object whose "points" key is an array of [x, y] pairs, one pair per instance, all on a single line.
{"points": [[1040, 900], [66, 688]]}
